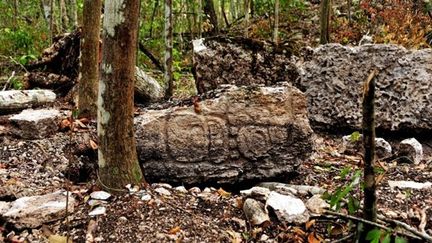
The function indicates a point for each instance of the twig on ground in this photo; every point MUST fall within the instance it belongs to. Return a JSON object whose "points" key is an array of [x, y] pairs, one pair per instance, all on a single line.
{"points": [[343, 239], [423, 220], [350, 217], [408, 228], [8, 81]]}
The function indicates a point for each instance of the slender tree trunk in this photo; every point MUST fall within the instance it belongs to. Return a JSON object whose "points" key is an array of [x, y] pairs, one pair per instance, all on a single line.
{"points": [[325, 21], [153, 17], [89, 59], [252, 8], [227, 24], [16, 14], [246, 10], [168, 61], [369, 208], [118, 162], [233, 10], [63, 16], [276, 22], [52, 20], [200, 13], [46, 11], [72, 13], [210, 11]]}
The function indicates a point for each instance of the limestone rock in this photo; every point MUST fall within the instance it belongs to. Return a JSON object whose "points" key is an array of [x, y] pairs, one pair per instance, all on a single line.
{"points": [[410, 185], [240, 61], [147, 89], [333, 75], [36, 124], [12, 100], [316, 204], [256, 192], [352, 147], [32, 212], [288, 209], [242, 134], [412, 149], [255, 212]]}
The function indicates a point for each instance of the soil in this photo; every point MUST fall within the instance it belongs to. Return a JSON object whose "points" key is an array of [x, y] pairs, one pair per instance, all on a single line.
{"points": [[36, 167]]}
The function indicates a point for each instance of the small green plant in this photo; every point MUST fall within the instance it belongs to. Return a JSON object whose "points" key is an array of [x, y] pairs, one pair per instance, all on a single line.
{"points": [[16, 84], [381, 236], [355, 136]]}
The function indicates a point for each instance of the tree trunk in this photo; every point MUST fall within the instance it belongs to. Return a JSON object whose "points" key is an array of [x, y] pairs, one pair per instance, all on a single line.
{"points": [[369, 208], [63, 16], [233, 10], [200, 12], [153, 17], [52, 20], [168, 60], [209, 10], [89, 60], [276, 22], [246, 10], [117, 157], [325, 21], [72, 13], [45, 7]]}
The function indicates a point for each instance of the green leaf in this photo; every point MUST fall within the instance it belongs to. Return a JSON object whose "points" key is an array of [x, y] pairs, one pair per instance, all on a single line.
{"points": [[345, 172], [387, 238], [355, 136], [400, 240], [374, 236]]}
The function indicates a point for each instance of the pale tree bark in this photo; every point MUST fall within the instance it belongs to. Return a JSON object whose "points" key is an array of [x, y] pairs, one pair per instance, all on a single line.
{"points": [[117, 157], [46, 11], [72, 13], [276, 22], [168, 60], [89, 59], [63, 16], [153, 17], [246, 10], [325, 21]]}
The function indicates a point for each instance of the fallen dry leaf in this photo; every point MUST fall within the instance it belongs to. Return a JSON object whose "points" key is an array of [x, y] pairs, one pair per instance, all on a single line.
{"points": [[93, 145], [64, 124], [223, 193], [174, 230], [312, 239], [309, 224]]}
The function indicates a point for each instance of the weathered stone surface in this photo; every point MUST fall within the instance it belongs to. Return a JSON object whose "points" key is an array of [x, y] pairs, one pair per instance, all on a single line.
{"points": [[240, 61], [255, 212], [35, 124], [333, 75], [412, 149], [244, 134], [316, 204], [147, 89], [12, 100], [32, 212], [351, 146], [288, 209]]}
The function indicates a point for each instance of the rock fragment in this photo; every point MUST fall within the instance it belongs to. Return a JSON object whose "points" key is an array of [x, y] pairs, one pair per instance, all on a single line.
{"points": [[288, 209], [32, 212], [255, 212], [316, 204], [35, 124], [412, 149]]}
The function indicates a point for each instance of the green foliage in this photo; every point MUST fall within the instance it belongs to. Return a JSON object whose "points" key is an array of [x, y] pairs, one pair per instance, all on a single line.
{"points": [[355, 136], [16, 84]]}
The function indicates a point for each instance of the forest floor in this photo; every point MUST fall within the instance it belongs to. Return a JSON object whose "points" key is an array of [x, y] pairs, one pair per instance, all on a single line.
{"points": [[200, 214]]}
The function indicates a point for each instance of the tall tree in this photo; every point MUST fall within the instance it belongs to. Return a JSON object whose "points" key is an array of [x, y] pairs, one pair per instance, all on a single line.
{"points": [[168, 61], [325, 21], [368, 124], [72, 13], [118, 162], [246, 10], [276, 22], [209, 10], [63, 16], [89, 59]]}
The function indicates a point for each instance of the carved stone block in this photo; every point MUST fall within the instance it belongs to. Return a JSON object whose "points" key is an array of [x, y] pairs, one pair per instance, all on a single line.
{"points": [[243, 134]]}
